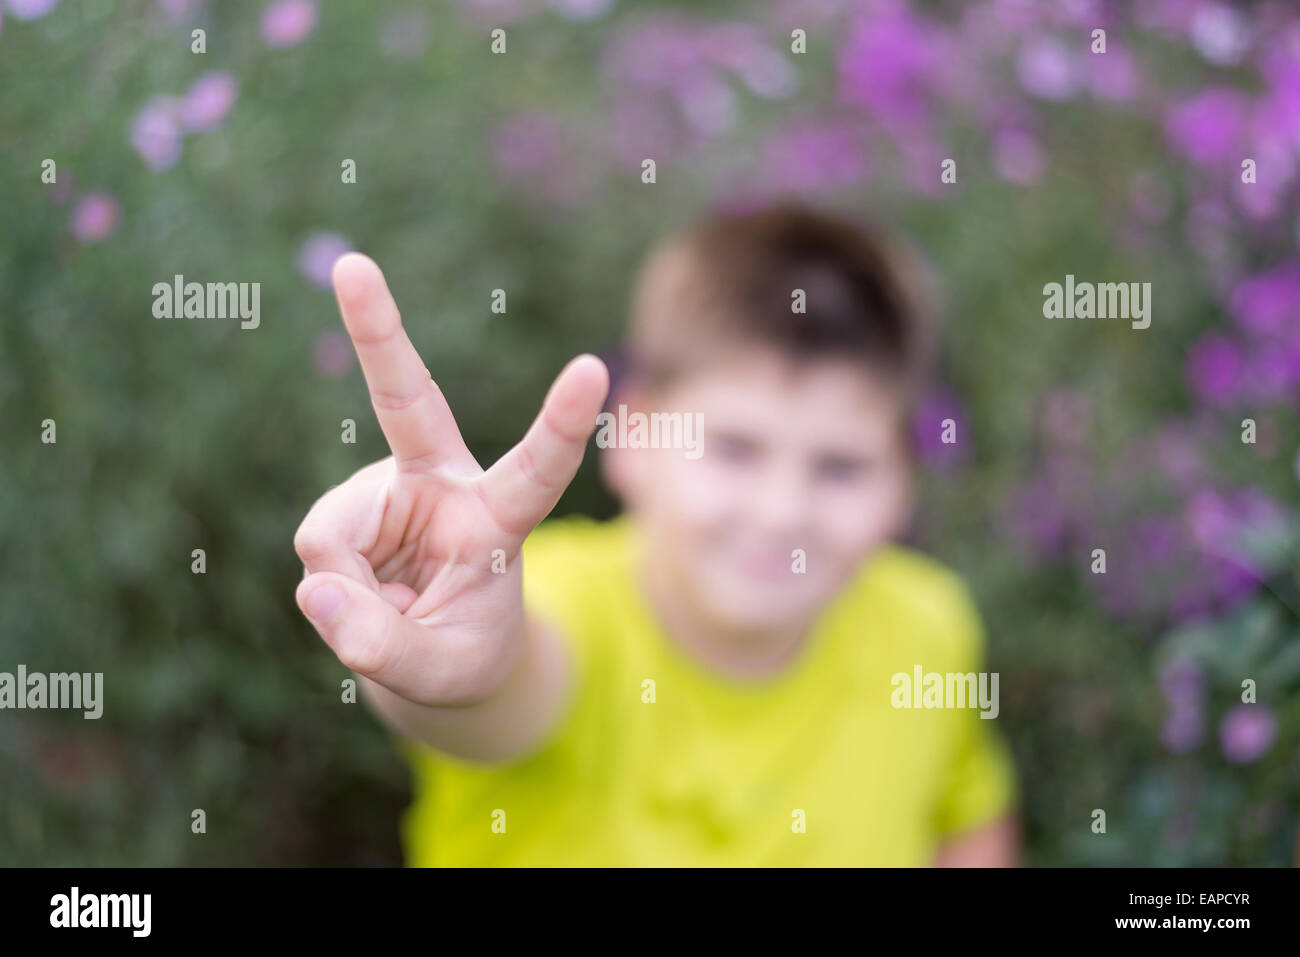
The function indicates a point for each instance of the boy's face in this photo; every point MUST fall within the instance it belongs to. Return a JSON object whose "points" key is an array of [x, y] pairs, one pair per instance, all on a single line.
{"points": [[805, 457]]}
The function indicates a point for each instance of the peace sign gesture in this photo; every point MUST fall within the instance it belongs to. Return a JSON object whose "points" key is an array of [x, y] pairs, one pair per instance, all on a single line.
{"points": [[399, 558]]}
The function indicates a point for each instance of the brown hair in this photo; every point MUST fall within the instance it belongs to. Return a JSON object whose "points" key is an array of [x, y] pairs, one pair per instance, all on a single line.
{"points": [[730, 280]]}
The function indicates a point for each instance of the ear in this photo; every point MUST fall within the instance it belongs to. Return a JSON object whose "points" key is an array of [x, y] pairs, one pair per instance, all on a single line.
{"points": [[907, 496], [909, 477], [906, 504], [622, 472]]}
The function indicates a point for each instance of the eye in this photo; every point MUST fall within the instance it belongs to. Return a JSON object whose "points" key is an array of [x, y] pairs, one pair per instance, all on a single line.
{"points": [[732, 448], [842, 468]]}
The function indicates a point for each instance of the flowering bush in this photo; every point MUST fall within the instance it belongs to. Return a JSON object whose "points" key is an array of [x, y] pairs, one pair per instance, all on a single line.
{"points": [[1170, 449]]}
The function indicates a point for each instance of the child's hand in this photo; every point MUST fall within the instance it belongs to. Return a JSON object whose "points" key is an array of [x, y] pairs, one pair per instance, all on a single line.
{"points": [[412, 565]]}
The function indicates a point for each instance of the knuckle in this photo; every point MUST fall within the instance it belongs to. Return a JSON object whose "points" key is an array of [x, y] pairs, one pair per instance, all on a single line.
{"points": [[309, 543], [528, 466], [394, 401]]}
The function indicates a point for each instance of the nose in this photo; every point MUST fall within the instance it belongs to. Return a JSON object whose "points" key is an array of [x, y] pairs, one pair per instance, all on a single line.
{"points": [[779, 507]]}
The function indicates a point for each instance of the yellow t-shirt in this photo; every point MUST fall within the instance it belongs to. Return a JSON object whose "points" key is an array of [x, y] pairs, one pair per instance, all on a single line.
{"points": [[814, 766]]}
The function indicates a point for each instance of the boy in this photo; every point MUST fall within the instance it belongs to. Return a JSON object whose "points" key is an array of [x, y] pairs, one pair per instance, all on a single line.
{"points": [[708, 679]]}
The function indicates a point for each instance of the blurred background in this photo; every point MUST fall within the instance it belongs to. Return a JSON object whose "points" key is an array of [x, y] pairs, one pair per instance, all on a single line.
{"points": [[522, 171]]}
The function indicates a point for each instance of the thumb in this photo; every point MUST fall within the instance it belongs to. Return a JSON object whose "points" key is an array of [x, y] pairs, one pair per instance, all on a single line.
{"points": [[363, 629]]}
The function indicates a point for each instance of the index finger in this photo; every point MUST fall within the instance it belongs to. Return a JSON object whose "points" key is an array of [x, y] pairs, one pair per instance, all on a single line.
{"points": [[412, 412]]}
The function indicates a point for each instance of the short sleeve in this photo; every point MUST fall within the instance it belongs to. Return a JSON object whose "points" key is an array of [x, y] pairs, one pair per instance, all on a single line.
{"points": [[979, 783]]}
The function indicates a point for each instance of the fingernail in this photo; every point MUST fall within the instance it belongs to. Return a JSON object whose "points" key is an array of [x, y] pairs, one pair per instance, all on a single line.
{"points": [[322, 602]]}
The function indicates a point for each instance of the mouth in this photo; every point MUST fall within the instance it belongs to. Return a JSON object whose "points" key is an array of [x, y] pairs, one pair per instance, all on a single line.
{"points": [[767, 567]]}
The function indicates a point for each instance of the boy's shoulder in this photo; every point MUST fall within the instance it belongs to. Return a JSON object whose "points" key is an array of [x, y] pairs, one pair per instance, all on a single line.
{"points": [[927, 601], [916, 576], [579, 543], [576, 565]]}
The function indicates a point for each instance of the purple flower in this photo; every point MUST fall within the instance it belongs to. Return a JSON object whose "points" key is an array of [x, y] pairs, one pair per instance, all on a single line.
{"points": [[920, 156], [1182, 680], [736, 44], [497, 12], [890, 63], [582, 9], [1269, 303], [1144, 556], [1046, 69], [1040, 519], [332, 353], [1184, 729], [1210, 519], [1221, 525], [1220, 34], [1179, 455], [1227, 580], [1274, 370], [1168, 16], [741, 48], [1066, 417], [178, 12], [658, 53], [286, 23], [1080, 13], [1215, 368], [1209, 127], [1247, 732], [208, 101], [1218, 520], [788, 14], [31, 9], [941, 432], [156, 133], [1259, 201], [526, 144], [1017, 157], [1280, 67], [1157, 540], [1113, 75], [706, 101], [770, 76], [317, 255], [95, 217], [640, 126], [806, 157], [1047, 512], [534, 151]]}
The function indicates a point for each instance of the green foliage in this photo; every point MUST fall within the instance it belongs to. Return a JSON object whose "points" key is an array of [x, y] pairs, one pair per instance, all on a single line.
{"points": [[182, 434]]}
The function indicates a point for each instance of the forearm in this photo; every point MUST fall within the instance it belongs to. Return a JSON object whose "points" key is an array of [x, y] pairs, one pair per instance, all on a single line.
{"points": [[506, 725], [995, 845]]}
